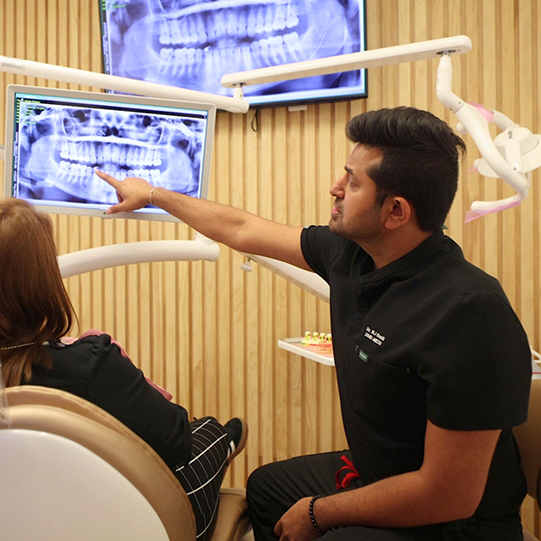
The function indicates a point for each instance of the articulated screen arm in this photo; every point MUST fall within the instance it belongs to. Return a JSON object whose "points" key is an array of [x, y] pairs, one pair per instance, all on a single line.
{"points": [[121, 84]]}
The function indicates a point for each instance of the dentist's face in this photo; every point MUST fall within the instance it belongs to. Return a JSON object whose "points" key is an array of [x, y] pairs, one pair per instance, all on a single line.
{"points": [[357, 214]]}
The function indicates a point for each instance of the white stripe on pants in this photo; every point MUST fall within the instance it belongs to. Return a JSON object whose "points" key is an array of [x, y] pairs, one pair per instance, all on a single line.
{"points": [[202, 476]]}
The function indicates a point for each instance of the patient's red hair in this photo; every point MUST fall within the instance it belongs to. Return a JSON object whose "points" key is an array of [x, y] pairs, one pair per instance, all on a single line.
{"points": [[34, 304]]}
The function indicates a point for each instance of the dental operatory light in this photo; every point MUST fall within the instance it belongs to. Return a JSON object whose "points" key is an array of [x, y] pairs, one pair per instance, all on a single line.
{"points": [[511, 156], [521, 150]]}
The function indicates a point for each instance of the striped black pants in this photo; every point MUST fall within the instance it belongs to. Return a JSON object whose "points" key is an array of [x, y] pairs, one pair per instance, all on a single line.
{"points": [[202, 476]]}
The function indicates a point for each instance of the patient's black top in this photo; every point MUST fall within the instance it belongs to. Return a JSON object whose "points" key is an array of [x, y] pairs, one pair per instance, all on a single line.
{"points": [[94, 368]]}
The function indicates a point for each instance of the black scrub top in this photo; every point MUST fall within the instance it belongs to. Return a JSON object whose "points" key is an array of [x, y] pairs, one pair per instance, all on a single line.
{"points": [[429, 336], [94, 368]]}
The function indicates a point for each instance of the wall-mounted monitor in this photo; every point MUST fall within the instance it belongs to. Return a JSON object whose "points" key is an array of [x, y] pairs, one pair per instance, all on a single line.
{"points": [[192, 44], [56, 138]]}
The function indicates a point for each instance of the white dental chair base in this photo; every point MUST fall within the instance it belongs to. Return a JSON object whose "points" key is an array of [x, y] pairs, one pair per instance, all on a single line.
{"points": [[59, 490]]}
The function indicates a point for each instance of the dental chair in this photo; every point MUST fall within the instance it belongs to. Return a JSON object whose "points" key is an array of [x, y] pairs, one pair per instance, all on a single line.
{"points": [[69, 470], [528, 437]]}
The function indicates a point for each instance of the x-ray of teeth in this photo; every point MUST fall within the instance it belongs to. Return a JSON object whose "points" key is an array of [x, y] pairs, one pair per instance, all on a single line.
{"points": [[191, 44], [60, 146]]}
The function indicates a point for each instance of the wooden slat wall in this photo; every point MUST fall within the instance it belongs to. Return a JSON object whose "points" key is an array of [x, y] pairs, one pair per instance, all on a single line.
{"points": [[208, 331]]}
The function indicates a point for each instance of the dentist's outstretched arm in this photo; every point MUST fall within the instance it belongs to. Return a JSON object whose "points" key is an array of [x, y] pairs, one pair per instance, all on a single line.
{"points": [[233, 227]]}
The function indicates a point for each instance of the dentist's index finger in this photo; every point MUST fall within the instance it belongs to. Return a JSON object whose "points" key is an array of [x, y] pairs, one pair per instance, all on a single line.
{"points": [[108, 178], [114, 183]]}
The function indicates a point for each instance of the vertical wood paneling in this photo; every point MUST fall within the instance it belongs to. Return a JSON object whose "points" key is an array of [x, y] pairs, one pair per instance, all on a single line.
{"points": [[208, 331], [295, 321], [253, 453], [197, 340], [526, 103], [404, 89], [311, 200], [508, 80], [491, 258], [280, 291], [237, 386], [266, 344]]}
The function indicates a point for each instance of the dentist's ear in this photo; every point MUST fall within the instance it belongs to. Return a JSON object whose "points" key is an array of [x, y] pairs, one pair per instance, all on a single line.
{"points": [[398, 212]]}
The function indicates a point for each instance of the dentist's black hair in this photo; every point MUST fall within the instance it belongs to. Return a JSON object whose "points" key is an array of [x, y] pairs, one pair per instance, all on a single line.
{"points": [[420, 159]]}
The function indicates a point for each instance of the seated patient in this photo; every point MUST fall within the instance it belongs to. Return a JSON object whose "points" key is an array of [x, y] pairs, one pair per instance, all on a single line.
{"points": [[36, 313]]}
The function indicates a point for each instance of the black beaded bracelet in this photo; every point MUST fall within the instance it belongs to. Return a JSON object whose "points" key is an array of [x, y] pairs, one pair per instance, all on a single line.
{"points": [[311, 513]]}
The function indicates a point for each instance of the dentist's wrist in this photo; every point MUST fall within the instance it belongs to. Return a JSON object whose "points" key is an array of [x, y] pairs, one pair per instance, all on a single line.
{"points": [[150, 194]]}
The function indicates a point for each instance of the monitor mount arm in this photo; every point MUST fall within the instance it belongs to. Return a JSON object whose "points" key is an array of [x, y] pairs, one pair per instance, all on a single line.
{"points": [[121, 84]]}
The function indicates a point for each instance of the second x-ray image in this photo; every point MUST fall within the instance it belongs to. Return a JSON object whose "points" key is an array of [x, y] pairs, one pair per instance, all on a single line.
{"points": [[59, 146], [191, 44]]}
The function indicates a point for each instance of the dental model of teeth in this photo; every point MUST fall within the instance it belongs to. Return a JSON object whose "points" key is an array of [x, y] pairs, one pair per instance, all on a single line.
{"points": [[322, 341]]}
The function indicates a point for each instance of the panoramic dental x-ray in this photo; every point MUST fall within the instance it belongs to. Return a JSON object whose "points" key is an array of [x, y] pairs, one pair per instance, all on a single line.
{"points": [[191, 44], [60, 145]]}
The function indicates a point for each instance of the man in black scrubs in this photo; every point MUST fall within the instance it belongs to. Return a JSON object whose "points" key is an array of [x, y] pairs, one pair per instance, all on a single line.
{"points": [[433, 365]]}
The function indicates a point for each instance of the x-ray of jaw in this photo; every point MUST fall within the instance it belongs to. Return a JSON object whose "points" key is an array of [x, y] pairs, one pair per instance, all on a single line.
{"points": [[60, 146], [191, 44]]}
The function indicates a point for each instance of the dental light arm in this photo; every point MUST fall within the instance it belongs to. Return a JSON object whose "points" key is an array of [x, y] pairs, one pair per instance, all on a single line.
{"points": [[122, 84], [349, 62], [505, 157], [511, 156]]}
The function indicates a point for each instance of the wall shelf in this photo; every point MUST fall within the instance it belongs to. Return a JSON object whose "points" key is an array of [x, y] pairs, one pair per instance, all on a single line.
{"points": [[310, 352]]}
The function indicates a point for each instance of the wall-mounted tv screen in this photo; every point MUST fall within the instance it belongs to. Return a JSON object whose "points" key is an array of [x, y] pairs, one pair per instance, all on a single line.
{"points": [[192, 44], [55, 139]]}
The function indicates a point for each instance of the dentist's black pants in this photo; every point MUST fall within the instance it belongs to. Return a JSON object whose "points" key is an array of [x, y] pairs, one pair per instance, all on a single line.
{"points": [[274, 488]]}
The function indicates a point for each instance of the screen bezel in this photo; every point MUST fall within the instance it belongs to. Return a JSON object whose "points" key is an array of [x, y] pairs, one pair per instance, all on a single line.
{"points": [[323, 95], [81, 209]]}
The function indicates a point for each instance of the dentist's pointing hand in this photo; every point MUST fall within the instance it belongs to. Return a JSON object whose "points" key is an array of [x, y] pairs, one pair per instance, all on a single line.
{"points": [[133, 192]]}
